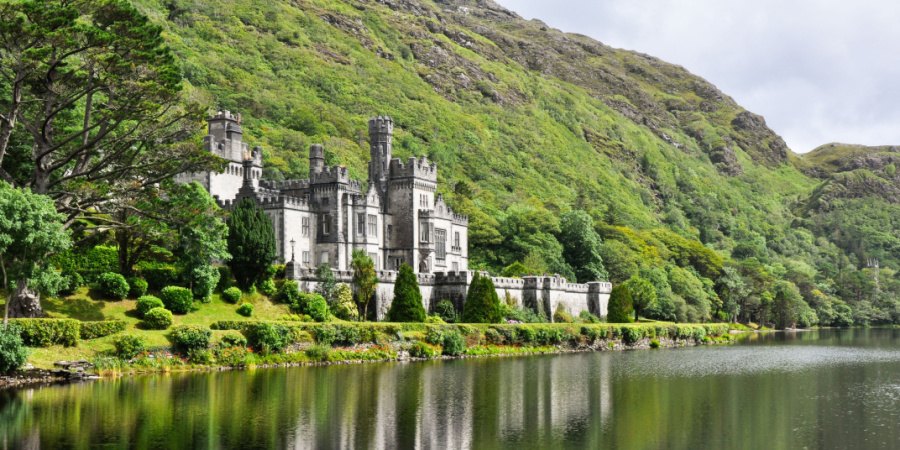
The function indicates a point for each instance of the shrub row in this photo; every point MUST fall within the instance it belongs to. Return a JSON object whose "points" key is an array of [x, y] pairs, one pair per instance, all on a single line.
{"points": [[93, 330], [47, 332]]}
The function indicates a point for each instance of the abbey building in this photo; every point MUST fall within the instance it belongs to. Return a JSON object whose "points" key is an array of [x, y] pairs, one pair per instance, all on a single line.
{"points": [[396, 218]]}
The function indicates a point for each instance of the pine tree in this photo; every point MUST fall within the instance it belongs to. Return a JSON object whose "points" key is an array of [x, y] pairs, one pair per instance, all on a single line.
{"points": [[251, 243], [482, 303], [620, 307], [407, 304]]}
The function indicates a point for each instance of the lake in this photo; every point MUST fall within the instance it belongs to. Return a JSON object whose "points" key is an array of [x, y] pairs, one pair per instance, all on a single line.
{"points": [[816, 389]]}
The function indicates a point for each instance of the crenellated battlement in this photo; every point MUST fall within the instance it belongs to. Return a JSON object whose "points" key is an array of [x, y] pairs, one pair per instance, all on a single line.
{"points": [[331, 174], [414, 168], [380, 125]]}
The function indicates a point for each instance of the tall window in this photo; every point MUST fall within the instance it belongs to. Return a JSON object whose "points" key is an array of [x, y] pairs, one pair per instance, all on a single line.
{"points": [[360, 224], [456, 239], [373, 225], [374, 257], [305, 258], [390, 232], [326, 223], [324, 258], [440, 239], [305, 222]]}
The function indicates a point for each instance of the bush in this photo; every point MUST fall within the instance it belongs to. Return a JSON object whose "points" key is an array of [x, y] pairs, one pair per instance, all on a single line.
{"points": [[482, 303], [289, 293], [47, 332], [71, 282], [454, 344], [200, 356], [187, 337], [632, 334], [407, 303], [561, 315], [619, 309], [137, 287], [128, 345], [179, 300], [267, 287], [587, 317], [446, 311], [205, 278], [245, 309], [114, 286], [232, 294], [160, 276], [313, 305], [269, 338], [12, 350], [654, 343], [424, 350], [237, 356], [225, 281], [343, 306], [233, 340], [319, 352], [158, 318], [146, 303], [591, 333], [435, 319], [94, 330]]}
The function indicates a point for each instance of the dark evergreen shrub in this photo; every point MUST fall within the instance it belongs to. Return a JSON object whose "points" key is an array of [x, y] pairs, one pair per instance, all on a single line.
{"points": [[232, 294], [177, 299], [94, 330], [454, 344], [407, 303], [114, 286], [128, 345], [146, 303], [251, 243], [225, 280], [160, 276], [619, 309], [245, 309], [446, 311], [137, 287], [12, 350], [186, 337], [482, 303], [158, 318]]}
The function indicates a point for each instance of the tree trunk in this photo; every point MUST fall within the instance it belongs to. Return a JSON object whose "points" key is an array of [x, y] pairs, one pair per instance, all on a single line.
{"points": [[25, 303]]}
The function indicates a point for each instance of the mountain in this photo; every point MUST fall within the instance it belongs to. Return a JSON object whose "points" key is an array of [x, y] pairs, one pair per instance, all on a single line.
{"points": [[527, 122]]}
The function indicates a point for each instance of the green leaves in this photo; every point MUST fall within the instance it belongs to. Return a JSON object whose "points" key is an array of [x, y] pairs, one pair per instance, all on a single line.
{"points": [[251, 243], [407, 304]]}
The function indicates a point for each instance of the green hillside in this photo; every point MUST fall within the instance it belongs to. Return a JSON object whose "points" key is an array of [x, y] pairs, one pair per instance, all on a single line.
{"points": [[527, 122]]}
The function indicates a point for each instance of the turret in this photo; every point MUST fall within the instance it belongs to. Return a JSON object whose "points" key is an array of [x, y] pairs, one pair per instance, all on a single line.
{"points": [[381, 134], [316, 158], [225, 137]]}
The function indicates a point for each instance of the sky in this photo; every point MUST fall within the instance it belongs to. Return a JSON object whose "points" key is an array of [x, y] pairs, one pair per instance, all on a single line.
{"points": [[819, 71]]}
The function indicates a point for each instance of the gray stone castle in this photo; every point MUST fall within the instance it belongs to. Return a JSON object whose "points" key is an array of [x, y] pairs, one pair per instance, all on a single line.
{"points": [[397, 219]]}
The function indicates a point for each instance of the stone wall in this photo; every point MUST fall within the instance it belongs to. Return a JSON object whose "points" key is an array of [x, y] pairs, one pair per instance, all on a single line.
{"points": [[536, 292]]}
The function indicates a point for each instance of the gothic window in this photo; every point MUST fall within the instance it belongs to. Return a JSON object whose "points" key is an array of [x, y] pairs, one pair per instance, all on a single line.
{"points": [[374, 257], [305, 258], [440, 239], [456, 239], [324, 258], [373, 225], [390, 232], [305, 222], [360, 224], [326, 223]]}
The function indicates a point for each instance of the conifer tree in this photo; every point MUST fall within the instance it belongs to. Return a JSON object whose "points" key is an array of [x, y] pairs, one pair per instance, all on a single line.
{"points": [[251, 243], [482, 303], [407, 304], [620, 307]]}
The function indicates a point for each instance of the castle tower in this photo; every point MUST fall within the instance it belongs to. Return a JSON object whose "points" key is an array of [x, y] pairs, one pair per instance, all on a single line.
{"points": [[226, 134], [381, 134], [316, 158]]}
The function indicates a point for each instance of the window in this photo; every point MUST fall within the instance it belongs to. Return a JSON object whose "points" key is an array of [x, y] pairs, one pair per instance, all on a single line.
{"points": [[424, 232], [305, 258], [324, 258], [373, 225], [360, 224], [305, 226], [456, 239], [440, 239], [325, 201], [374, 257], [390, 232], [397, 262], [326, 223]]}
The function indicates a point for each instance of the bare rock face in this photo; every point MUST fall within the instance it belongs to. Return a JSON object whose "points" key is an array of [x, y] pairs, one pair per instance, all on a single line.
{"points": [[25, 303]]}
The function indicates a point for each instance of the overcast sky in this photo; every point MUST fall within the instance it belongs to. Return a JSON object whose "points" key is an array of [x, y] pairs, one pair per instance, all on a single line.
{"points": [[819, 71]]}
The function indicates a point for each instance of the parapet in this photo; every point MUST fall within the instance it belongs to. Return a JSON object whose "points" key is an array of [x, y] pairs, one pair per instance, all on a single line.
{"points": [[333, 174], [414, 168], [381, 125]]}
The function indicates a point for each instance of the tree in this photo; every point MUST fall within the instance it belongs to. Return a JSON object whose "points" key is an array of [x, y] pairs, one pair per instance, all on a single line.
{"points": [[407, 305], [787, 304], [93, 93], [365, 280], [327, 283], [581, 246], [202, 236], [619, 308], [30, 230], [251, 243], [482, 302], [732, 290], [643, 294]]}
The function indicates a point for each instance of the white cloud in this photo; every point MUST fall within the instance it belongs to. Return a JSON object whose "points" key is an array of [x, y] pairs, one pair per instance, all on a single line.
{"points": [[819, 70]]}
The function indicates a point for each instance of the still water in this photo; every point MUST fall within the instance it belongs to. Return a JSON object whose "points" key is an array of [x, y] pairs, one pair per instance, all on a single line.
{"points": [[818, 389]]}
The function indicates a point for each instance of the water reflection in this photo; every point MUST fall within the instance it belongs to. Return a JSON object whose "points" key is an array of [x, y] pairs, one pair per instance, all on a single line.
{"points": [[823, 389]]}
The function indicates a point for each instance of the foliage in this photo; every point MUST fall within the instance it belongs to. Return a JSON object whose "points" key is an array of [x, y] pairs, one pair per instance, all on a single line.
{"points": [[47, 332], [327, 282], [236, 356], [446, 311], [288, 293], [232, 294], [204, 279], [643, 294], [587, 317], [267, 287], [137, 287], [269, 338], [71, 282], [177, 299], [319, 352], [201, 237], [158, 277], [94, 330], [654, 343], [561, 315], [12, 350], [231, 340], [128, 346], [158, 318], [114, 286], [434, 318], [364, 278], [619, 308], [188, 337], [581, 246], [313, 305], [425, 350], [245, 309], [251, 243], [407, 303], [453, 344], [482, 303], [146, 303], [344, 307]]}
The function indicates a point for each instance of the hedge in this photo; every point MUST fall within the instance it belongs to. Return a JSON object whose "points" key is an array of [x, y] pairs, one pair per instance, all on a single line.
{"points": [[47, 332], [177, 299], [94, 330]]}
